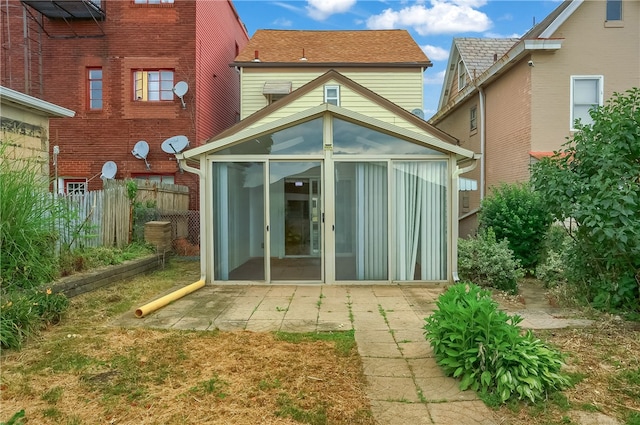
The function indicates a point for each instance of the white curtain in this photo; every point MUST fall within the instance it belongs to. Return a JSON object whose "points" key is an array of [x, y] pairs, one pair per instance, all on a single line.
{"points": [[371, 221], [420, 220]]}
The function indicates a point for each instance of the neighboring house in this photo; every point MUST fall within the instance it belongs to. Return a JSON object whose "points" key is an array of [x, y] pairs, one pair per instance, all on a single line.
{"points": [[135, 71], [25, 127], [516, 100], [332, 182]]}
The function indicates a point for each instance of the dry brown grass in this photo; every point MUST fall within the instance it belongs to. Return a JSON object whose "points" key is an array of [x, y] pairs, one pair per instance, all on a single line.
{"points": [[85, 372], [604, 359]]}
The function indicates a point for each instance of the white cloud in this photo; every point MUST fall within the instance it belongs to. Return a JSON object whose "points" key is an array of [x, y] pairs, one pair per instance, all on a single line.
{"points": [[434, 79], [320, 10], [435, 53], [288, 6], [497, 35], [443, 17], [282, 22]]}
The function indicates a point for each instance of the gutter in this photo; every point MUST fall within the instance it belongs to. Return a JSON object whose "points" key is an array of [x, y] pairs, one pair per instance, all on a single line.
{"points": [[177, 294]]}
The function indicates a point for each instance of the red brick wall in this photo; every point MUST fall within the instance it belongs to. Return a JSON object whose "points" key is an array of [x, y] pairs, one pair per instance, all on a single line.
{"points": [[217, 83], [508, 124], [134, 37]]}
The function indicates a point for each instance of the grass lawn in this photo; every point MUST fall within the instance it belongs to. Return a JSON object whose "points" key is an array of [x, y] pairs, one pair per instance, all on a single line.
{"points": [[84, 371]]}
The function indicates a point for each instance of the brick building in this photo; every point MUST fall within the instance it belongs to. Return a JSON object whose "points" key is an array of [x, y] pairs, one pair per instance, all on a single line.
{"points": [[117, 63]]}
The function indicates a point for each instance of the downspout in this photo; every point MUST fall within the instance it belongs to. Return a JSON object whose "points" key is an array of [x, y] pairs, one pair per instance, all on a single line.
{"points": [[163, 301], [482, 141], [454, 236]]}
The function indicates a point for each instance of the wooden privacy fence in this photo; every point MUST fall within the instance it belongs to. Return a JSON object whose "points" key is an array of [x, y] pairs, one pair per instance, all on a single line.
{"points": [[103, 217]]}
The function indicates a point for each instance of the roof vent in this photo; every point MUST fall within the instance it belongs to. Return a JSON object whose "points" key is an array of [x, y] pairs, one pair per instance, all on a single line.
{"points": [[256, 56], [495, 57], [303, 58]]}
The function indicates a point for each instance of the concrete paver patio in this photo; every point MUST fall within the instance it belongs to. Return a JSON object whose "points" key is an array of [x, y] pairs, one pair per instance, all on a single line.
{"points": [[405, 385]]}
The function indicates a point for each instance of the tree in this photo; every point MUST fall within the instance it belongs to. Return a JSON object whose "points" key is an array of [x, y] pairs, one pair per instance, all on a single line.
{"points": [[595, 180]]}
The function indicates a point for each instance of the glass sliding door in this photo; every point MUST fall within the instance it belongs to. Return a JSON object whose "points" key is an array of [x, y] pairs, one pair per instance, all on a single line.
{"points": [[361, 234], [420, 211], [295, 211], [238, 215]]}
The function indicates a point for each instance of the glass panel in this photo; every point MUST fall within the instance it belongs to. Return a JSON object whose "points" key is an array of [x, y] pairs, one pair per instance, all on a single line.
{"points": [[238, 220], [354, 139], [302, 139], [361, 221], [585, 91], [614, 10], [419, 199], [295, 210]]}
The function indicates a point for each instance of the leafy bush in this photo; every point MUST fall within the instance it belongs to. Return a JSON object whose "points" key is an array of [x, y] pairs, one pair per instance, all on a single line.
{"points": [[483, 346], [517, 213], [593, 179], [487, 262], [553, 257]]}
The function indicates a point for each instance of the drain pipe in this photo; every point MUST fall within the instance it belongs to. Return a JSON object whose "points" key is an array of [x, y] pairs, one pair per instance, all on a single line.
{"points": [[454, 254], [482, 140], [163, 301]]}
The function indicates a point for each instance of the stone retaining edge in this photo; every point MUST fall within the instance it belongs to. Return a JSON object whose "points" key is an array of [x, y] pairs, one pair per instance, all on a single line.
{"points": [[79, 284]]}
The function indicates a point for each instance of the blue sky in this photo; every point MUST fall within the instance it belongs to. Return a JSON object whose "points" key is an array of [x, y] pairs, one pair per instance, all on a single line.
{"points": [[432, 23]]}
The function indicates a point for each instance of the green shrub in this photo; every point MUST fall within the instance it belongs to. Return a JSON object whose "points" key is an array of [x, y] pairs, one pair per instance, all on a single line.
{"points": [[553, 257], [483, 346], [593, 180], [517, 213], [487, 262]]}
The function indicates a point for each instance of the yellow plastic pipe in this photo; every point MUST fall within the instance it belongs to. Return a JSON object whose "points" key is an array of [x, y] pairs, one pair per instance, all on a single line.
{"points": [[161, 302]]}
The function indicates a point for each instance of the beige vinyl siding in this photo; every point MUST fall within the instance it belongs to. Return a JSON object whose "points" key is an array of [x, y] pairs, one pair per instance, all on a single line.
{"points": [[349, 99], [589, 48], [402, 87]]}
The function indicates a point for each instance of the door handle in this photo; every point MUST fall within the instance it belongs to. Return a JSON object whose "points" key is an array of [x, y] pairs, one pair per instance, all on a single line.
{"points": [[267, 227], [333, 227]]}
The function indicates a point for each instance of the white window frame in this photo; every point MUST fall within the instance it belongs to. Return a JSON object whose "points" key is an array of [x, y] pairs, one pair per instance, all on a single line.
{"points": [[473, 119], [599, 78], [462, 75], [150, 86], [334, 100], [75, 186]]}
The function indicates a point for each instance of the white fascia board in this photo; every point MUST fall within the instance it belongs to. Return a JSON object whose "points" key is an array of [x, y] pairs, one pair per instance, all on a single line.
{"points": [[448, 73], [553, 27], [336, 110], [254, 131], [34, 104]]}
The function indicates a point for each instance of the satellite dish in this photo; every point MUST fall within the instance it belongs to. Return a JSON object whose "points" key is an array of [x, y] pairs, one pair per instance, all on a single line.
{"points": [[140, 151], [109, 170], [418, 113], [180, 89], [175, 144]]}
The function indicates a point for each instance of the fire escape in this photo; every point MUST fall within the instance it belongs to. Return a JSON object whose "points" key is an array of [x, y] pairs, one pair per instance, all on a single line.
{"points": [[24, 25]]}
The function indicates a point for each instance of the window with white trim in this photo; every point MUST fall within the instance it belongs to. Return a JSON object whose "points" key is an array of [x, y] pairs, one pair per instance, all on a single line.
{"points": [[462, 76], [94, 76], [332, 95], [614, 10], [153, 85], [473, 118], [586, 94], [75, 186]]}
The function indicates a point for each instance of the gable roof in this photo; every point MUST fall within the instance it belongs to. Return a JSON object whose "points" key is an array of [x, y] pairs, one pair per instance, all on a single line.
{"points": [[444, 142], [476, 51], [478, 54], [347, 48]]}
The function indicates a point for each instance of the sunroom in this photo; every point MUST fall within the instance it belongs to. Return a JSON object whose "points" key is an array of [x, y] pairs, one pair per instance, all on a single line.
{"points": [[328, 196]]}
